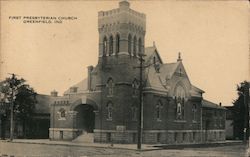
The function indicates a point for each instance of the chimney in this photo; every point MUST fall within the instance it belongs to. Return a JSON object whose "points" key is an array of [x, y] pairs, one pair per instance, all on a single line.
{"points": [[54, 93], [220, 103], [90, 69]]}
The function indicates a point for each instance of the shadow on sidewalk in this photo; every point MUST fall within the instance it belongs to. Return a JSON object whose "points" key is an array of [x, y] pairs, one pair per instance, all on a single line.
{"points": [[204, 145]]}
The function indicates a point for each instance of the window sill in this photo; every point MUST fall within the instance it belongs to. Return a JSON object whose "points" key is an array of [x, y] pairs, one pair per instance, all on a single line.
{"points": [[109, 119], [194, 121], [109, 96], [180, 121], [159, 120], [62, 119]]}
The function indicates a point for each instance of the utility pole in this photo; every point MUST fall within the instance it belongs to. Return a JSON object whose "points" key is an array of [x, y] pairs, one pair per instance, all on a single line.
{"points": [[140, 116], [246, 121], [11, 120], [12, 84]]}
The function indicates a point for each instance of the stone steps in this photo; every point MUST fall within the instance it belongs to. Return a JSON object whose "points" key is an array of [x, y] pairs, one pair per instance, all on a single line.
{"points": [[85, 138]]}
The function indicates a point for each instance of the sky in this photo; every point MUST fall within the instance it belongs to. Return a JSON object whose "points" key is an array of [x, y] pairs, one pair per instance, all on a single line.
{"points": [[212, 37]]}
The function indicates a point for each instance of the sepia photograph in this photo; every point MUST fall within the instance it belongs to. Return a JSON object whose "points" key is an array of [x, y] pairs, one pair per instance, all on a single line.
{"points": [[124, 78]]}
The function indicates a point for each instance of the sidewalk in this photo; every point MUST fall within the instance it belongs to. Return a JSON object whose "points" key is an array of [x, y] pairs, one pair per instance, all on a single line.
{"points": [[145, 147], [80, 144]]}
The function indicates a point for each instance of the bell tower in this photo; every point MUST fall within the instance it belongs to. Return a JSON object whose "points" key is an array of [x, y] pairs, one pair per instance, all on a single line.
{"points": [[121, 31], [121, 39]]}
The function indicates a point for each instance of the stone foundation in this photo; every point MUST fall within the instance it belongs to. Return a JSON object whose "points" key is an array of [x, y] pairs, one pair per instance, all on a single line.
{"points": [[63, 134], [160, 136], [149, 136]]}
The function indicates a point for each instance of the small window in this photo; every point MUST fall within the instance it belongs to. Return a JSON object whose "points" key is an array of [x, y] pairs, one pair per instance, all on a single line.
{"points": [[194, 111], [110, 111], [134, 113], [110, 86], [139, 45], [179, 101], [105, 46], [158, 110], [135, 87], [179, 108], [221, 121], [117, 43], [135, 46], [129, 44], [62, 114], [110, 45]]}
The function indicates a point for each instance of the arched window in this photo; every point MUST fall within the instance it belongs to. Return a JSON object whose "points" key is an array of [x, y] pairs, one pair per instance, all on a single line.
{"points": [[179, 100], [105, 46], [194, 110], [134, 46], [135, 87], [129, 44], [110, 45], [139, 45], [62, 114], [117, 43], [158, 110], [110, 86], [109, 111], [180, 92], [134, 112]]}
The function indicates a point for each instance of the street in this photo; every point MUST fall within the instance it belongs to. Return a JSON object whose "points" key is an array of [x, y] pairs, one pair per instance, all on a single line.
{"points": [[44, 150]]}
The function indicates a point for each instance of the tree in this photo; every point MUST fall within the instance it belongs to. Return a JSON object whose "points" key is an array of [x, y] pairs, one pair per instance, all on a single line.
{"points": [[23, 97], [241, 110]]}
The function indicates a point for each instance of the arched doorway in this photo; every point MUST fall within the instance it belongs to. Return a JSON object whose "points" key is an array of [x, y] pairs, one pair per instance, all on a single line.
{"points": [[85, 118]]}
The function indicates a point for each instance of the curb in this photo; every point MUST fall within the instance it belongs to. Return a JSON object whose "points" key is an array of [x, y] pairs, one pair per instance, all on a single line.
{"points": [[154, 147], [77, 145]]}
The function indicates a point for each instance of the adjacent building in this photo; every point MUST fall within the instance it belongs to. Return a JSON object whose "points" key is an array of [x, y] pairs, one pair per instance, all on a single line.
{"points": [[38, 124]]}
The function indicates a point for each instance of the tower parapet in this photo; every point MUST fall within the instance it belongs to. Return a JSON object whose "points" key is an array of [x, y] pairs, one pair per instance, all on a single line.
{"points": [[121, 31]]}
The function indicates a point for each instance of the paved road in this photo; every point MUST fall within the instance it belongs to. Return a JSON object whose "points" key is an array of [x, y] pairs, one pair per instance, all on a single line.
{"points": [[42, 150]]}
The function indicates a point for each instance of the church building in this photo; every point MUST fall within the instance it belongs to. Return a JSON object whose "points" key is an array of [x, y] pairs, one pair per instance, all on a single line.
{"points": [[106, 104]]}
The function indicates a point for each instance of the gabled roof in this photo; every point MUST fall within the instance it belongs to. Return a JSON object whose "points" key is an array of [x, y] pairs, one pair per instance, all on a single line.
{"points": [[168, 69], [159, 77], [158, 80], [81, 86], [150, 52], [209, 104]]}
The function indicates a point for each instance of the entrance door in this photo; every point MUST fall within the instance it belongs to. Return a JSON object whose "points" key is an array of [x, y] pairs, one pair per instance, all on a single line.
{"points": [[61, 135], [85, 118]]}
